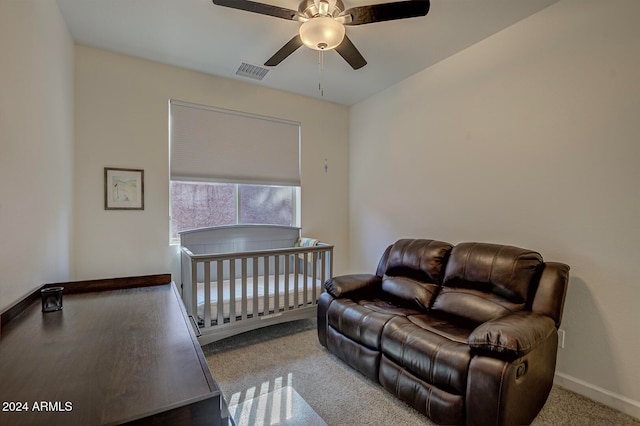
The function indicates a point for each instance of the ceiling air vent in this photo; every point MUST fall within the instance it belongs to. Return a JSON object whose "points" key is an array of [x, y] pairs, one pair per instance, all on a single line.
{"points": [[251, 71]]}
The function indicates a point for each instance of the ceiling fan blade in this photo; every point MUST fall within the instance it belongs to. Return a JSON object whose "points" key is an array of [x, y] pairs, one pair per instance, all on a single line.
{"points": [[284, 51], [350, 53], [386, 11], [261, 8]]}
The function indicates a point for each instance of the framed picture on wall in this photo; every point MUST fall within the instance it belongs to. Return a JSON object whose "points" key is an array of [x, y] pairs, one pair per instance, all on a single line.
{"points": [[123, 189]]}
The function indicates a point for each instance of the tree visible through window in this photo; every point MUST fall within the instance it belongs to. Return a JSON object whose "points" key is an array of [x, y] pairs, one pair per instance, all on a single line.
{"points": [[198, 205], [266, 204]]}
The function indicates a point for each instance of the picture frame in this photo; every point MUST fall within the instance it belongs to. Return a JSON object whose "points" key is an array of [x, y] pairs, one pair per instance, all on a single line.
{"points": [[123, 189]]}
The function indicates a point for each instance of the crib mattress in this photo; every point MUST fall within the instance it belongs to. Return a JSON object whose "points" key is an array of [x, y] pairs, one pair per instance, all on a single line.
{"points": [[260, 295]]}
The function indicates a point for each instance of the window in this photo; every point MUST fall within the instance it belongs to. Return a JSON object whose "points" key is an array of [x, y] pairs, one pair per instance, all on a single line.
{"points": [[229, 167], [202, 204]]}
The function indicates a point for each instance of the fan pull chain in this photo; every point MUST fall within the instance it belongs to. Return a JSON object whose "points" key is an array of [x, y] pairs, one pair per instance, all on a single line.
{"points": [[320, 68]]}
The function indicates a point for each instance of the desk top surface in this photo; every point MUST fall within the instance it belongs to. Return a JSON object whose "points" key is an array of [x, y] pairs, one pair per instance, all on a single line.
{"points": [[105, 358]]}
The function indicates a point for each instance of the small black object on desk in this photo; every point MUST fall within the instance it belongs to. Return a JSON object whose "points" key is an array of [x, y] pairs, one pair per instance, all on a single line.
{"points": [[51, 299]]}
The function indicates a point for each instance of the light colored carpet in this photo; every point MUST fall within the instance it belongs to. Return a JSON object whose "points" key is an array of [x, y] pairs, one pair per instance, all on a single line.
{"points": [[261, 361]]}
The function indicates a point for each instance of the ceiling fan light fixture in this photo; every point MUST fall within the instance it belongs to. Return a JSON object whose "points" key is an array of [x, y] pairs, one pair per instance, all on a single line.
{"points": [[322, 33]]}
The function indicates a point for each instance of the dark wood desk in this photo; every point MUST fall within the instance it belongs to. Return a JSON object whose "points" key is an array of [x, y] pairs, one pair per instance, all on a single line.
{"points": [[108, 357]]}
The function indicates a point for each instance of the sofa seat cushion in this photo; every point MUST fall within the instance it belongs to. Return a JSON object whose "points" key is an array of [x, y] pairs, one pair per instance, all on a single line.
{"points": [[387, 307], [430, 351], [448, 326]]}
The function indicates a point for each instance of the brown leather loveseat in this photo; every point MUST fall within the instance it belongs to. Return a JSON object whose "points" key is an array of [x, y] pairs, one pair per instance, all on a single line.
{"points": [[465, 334]]}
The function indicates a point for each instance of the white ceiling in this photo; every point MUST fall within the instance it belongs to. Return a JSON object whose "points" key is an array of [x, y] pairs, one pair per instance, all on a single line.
{"points": [[198, 35]]}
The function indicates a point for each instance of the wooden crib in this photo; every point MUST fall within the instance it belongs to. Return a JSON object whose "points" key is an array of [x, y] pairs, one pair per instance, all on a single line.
{"points": [[252, 276]]}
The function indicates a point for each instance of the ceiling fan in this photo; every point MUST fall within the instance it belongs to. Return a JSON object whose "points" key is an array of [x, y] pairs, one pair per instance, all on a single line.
{"points": [[323, 23]]}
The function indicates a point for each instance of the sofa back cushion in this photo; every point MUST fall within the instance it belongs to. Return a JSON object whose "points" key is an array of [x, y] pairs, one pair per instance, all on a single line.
{"points": [[486, 281], [414, 269]]}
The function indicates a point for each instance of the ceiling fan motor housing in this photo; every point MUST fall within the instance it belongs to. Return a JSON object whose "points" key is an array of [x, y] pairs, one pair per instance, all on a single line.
{"points": [[309, 8]]}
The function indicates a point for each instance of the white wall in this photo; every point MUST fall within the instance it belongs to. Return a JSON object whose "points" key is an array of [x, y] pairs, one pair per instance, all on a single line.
{"points": [[122, 121], [528, 138], [36, 147]]}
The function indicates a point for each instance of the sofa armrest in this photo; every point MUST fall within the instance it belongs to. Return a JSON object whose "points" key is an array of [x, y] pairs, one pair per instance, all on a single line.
{"points": [[513, 335], [551, 291], [348, 285]]}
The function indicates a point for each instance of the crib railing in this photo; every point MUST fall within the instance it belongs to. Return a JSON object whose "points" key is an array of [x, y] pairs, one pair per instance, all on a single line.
{"points": [[244, 269]]}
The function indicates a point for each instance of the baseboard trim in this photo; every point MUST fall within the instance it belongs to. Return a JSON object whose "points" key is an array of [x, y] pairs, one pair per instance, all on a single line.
{"points": [[601, 395]]}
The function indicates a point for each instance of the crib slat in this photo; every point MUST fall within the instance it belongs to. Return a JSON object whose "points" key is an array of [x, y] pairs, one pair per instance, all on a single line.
{"points": [[287, 305], [255, 287], [296, 279], [323, 272], [265, 285], [232, 290], [207, 294], [306, 279], [314, 291], [244, 288], [194, 288], [276, 283], [220, 285], [330, 262]]}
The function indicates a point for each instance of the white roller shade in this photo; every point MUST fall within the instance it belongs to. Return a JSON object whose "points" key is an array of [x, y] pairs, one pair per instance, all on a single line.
{"points": [[212, 144]]}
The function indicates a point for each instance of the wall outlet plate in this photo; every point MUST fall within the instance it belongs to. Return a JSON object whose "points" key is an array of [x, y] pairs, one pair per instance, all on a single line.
{"points": [[561, 335]]}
